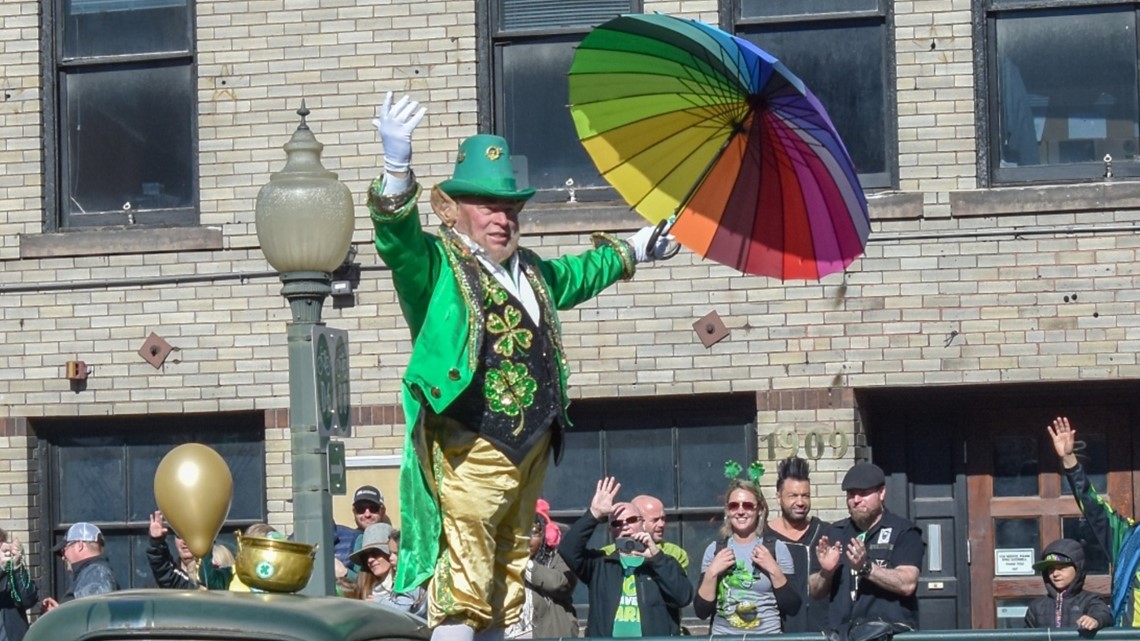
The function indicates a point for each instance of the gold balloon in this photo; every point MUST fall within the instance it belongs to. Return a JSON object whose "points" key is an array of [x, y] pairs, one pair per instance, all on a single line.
{"points": [[194, 489]]}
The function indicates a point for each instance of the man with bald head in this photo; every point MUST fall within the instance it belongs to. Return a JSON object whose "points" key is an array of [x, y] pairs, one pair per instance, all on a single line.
{"points": [[653, 520], [635, 588]]}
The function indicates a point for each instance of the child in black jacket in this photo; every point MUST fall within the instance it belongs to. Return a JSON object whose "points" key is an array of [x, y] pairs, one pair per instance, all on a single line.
{"points": [[1062, 567]]}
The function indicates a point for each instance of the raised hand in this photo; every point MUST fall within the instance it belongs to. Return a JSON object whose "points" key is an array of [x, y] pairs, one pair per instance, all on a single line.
{"points": [[395, 124], [157, 529], [828, 554], [1064, 440], [602, 505]]}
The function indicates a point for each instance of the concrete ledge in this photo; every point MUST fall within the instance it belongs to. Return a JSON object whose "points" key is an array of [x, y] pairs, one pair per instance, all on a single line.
{"points": [[541, 218], [895, 206], [1043, 199], [104, 242]]}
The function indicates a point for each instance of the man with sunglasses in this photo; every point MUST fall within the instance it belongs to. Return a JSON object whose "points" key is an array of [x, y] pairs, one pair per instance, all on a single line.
{"points": [[367, 509], [635, 589], [89, 573]]}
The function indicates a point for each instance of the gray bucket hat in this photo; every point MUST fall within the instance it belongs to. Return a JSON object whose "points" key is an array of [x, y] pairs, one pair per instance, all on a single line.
{"points": [[374, 538]]}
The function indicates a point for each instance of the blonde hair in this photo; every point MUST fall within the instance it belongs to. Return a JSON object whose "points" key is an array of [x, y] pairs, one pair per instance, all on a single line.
{"points": [[754, 490], [259, 529], [223, 558]]}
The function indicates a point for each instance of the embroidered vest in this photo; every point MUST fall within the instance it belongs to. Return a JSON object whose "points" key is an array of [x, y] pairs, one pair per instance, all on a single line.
{"points": [[514, 395]]}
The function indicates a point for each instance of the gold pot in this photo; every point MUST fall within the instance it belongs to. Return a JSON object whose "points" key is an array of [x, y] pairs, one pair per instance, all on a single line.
{"points": [[274, 565]]}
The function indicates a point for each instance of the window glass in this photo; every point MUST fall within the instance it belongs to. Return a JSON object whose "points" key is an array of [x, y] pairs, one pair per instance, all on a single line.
{"points": [[122, 27], [548, 14], [848, 78], [570, 485], [534, 116], [139, 117], [91, 484], [701, 454], [1066, 84], [1015, 466], [643, 458], [1018, 534], [770, 8], [1091, 450], [109, 480]]}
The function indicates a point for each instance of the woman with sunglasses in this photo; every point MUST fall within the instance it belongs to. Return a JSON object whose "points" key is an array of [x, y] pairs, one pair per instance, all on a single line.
{"points": [[743, 584], [377, 565]]}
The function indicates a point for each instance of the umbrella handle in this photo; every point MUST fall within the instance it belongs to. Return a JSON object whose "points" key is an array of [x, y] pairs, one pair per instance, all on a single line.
{"points": [[662, 228]]}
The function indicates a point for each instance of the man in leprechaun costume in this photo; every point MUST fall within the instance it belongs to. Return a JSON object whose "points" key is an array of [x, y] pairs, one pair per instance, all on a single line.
{"points": [[484, 394]]}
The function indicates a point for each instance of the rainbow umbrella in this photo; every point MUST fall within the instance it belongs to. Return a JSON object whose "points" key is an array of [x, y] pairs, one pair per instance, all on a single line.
{"points": [[705, 130]]}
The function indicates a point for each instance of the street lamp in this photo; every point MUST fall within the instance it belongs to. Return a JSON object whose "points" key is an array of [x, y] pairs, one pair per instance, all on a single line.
{"points": [[304, 223]]}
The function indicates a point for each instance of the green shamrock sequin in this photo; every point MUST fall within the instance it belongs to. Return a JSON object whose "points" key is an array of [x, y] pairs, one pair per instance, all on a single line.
{"points": [[506, 327], [510, 389], [496, 295]]}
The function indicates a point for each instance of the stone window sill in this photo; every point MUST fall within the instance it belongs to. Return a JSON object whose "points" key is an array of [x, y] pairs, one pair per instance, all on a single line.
{"points": [[104, 242]]}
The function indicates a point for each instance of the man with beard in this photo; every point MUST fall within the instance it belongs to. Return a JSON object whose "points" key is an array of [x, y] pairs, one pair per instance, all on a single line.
{"points": [[800, 532], [869, 563]]}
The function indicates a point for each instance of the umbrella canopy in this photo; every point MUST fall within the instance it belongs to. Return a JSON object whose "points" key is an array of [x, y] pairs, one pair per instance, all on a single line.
{"points": [[692, 124]]}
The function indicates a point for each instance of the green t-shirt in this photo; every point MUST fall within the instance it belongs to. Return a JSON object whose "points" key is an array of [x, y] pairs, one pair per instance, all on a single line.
{"points": [[627, 618]]}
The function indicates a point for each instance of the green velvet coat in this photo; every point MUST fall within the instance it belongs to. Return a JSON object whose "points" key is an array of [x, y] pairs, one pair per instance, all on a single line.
{"points": [[445, 317]]}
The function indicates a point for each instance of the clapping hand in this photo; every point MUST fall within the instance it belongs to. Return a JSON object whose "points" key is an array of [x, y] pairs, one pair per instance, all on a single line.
{"points": [[828, 554]]}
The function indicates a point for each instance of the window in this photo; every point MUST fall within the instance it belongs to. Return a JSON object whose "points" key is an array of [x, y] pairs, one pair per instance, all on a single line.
{"points": [[532, 45], [674, 449], [120, 113], [1061, 90], [102, 472], [851, 75]]}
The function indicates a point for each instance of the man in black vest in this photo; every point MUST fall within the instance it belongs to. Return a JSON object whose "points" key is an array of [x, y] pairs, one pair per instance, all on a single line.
{"points": [[800, 531], [869, 563]]}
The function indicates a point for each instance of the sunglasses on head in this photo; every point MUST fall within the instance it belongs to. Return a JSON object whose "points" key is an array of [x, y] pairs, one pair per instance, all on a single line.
{"points": [[747, 506], [629, 520], [363, 507]]}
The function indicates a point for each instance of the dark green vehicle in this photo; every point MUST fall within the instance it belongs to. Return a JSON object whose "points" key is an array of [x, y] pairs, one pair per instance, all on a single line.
{"points": [[177, 615]]}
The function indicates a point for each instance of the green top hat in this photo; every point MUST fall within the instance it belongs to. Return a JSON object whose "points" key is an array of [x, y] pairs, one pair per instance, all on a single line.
{"points": [[483, 168]]}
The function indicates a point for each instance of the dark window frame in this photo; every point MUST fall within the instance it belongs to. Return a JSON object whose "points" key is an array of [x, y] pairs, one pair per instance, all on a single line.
{"points": [[733, 21], [57, 163], [985, 16], [138, 431], [490, 92], [678, 414]]}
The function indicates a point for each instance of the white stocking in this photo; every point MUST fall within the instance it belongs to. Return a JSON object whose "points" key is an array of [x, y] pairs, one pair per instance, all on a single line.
{"points": [[453, 632]]}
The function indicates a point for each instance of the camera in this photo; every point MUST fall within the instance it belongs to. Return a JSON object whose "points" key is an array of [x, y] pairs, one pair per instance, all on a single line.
{"points": [[627, 544]]}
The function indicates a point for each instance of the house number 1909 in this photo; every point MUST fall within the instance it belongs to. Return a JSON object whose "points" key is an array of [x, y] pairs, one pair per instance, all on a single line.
{"points": [[785, 442]]}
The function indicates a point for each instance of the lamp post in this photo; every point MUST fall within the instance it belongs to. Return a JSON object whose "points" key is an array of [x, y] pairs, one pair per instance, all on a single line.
{"points": [[304, 223]]}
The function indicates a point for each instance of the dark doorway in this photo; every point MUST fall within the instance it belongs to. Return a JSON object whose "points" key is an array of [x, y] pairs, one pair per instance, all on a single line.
{"points": [[975, 468]]}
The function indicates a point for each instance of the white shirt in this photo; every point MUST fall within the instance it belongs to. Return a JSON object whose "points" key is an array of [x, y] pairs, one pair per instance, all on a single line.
{"points": [[511, 277]]}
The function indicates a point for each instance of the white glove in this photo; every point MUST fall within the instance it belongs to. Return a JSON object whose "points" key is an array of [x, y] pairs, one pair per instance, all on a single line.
{"points": [[395, 123], [640, 244]]}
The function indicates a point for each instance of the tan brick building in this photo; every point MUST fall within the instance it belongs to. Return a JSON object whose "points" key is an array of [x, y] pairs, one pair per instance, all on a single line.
{"points": [[997, 291]]}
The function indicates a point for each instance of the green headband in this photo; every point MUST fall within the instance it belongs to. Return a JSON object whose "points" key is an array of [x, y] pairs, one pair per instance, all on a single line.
{"points": [[732, 470]]}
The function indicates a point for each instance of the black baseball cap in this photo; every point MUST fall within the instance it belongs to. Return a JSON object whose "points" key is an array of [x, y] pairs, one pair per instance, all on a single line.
{"points": [[864, 476], [368, 493]]}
